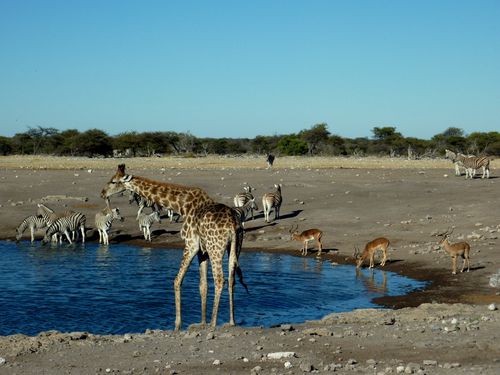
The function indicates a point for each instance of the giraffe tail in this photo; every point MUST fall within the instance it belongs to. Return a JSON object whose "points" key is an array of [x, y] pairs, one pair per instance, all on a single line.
{"points": [[240, 278]]}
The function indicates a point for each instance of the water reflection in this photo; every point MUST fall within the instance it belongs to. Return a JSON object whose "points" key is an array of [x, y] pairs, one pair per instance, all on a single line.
{"points": [[373, 284], [130, 289]]}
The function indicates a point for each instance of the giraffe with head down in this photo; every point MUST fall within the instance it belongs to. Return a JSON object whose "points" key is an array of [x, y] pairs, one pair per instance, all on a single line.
{"points": [[209, 228]]}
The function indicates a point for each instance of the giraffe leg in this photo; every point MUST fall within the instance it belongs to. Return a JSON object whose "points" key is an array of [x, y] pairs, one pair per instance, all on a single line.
{"points": [[188, 255], [218, 276], [203, 261], [231, 268]]}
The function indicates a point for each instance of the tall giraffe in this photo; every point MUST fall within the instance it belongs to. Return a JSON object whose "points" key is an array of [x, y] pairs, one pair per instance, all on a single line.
{"points": [[208, 228]]}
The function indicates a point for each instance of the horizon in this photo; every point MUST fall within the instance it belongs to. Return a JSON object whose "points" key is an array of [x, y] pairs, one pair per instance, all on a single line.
{"points": [[233, 70]]}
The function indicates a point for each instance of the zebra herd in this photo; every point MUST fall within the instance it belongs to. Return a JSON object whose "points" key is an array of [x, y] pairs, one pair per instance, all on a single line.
{"points": [[70, 225], [469, 163]]}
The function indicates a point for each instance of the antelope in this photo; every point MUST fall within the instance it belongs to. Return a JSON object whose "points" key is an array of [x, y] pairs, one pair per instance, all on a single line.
{"points": [[454, 250], [305, 237], [371, 247]]}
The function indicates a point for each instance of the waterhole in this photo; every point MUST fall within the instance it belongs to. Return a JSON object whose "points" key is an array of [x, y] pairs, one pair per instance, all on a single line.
{"points": [[121, 288]]}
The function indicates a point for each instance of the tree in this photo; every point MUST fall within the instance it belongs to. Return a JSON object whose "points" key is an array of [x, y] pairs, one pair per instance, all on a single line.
{"points": [[69, 144], [452, 138], [387, 140], [313, 137], [39, 136], [128, 141], [5, 146], [292, 145], [94, 142]]}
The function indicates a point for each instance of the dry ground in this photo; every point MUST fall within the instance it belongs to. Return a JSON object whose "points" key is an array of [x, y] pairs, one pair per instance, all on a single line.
{"points": [[352, 201]]}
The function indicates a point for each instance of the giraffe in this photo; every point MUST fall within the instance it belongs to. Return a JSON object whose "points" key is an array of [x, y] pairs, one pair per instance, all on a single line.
{"points": [[208, 229]]}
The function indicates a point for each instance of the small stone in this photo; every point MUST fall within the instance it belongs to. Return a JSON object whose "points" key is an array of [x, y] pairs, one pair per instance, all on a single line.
{"points": [[217, 362], [430, 362], [2, 361], [306, 366], [280, 355], [256, 370], [492, 307], [288, 364]]}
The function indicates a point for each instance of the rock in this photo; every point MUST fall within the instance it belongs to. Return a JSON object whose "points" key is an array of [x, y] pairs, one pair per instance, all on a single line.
{"points": [[280, 355], [256, 370], [492, 307], [306, 366], [287, 327], [2, 361], [288, 365], [217, 362], [429, 362]]}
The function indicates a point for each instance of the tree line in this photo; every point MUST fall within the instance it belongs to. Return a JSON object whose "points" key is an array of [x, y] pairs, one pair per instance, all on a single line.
{"points": [[317, 140]]}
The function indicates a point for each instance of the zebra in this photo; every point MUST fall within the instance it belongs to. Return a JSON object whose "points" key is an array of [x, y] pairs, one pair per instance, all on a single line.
{"points": [[77, 220], [103, 221], [471, 164], [270, 201], [241, 199], [142, 202], [245, 209], [33, 222], [145, 222], [64, 225], [453, 157]]}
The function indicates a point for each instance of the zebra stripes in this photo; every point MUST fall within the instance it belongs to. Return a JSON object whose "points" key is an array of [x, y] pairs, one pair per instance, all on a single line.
{"points": [[142, 202], [473, 163], [241, 199], [32, 222], [64, 225], [60, 223], [245, 209], [270, 201], [145, 223], [103, 221]]}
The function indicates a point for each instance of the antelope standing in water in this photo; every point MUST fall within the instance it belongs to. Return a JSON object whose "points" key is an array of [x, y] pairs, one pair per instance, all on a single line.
{"points": [[371, 247], [455, 250]]}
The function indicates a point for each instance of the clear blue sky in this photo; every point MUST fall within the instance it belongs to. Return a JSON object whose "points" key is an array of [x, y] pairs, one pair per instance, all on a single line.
{"points": [[247, 68]]}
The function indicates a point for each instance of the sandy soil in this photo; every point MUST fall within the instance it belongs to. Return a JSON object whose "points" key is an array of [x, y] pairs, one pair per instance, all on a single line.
{"points": [[352, 201]]}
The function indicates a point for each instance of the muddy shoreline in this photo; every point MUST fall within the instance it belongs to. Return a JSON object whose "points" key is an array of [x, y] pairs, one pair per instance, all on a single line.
{"points": [[352, 204]]}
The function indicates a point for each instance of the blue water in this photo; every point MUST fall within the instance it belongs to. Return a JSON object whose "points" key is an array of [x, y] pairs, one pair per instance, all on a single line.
{"points": [[119, 289]]}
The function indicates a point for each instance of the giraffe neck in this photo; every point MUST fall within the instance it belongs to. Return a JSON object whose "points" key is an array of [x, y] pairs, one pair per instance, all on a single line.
{"points": [[181, 199]]}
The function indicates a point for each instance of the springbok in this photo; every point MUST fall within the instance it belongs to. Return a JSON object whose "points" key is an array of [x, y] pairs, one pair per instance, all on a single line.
{"points": [[305, 237], [380, 243], [454, 250]]}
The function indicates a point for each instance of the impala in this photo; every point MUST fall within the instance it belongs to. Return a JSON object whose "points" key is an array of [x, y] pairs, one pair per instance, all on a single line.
{"points": [[305, 237], [371, 247], [461, 249]]}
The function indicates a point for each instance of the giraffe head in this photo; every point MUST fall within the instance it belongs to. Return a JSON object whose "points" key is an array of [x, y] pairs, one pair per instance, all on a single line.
{"points": [[117, 184]]}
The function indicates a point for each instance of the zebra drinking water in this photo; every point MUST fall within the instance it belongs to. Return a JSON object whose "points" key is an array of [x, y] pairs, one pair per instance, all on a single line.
{"points": [[64, 225], [32, 222]]}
